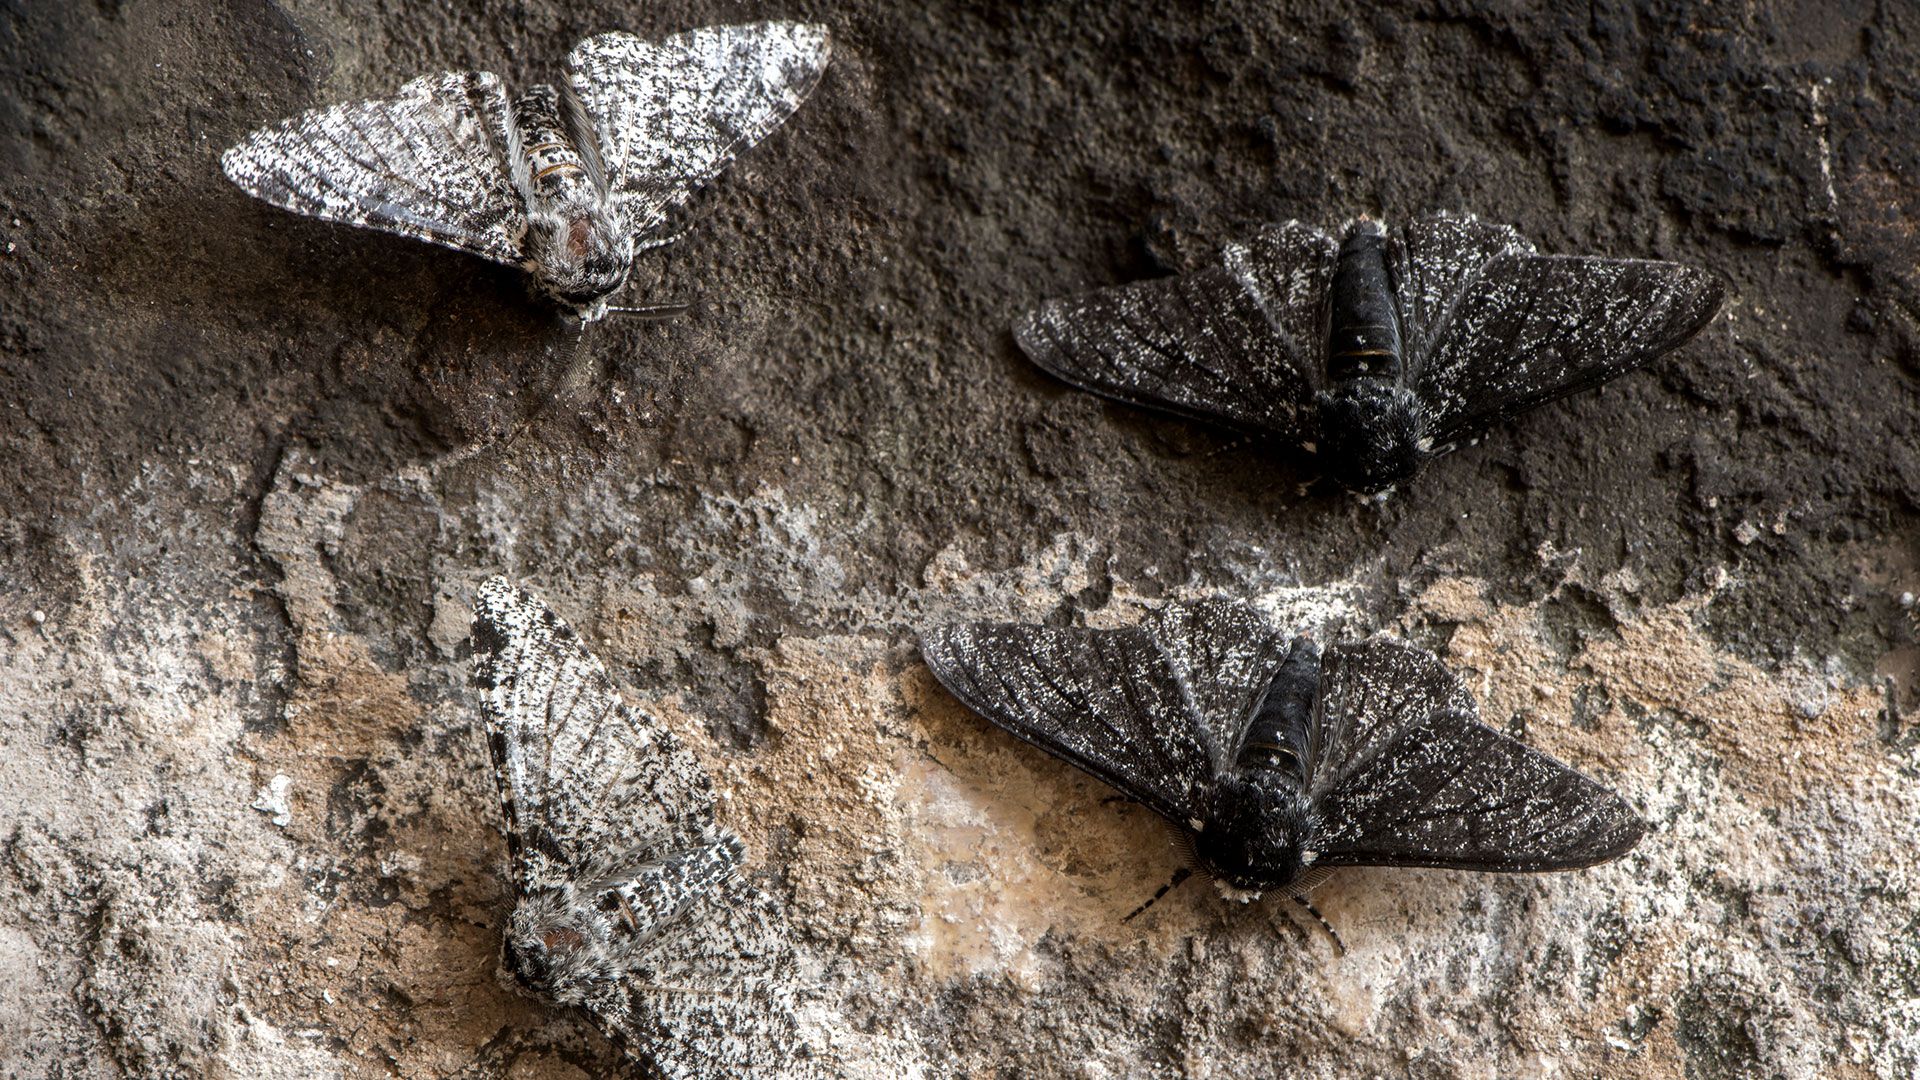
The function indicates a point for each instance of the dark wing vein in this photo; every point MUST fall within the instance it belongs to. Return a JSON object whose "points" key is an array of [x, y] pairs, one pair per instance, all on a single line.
{"points": [[1206, 345], [1404, 776]]}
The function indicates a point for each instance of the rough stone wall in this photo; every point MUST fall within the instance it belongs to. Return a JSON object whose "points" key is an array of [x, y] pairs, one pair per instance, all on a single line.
{"points": [[238, 537]]}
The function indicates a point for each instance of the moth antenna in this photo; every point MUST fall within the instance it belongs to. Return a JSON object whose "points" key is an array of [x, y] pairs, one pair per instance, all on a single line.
{"points": [[1179, 876], [567, 378], [1339, 947], [553, 393], [652, 312], [1319, 482]]}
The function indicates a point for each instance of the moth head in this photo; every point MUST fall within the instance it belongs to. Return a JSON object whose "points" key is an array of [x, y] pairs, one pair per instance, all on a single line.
{"points": [[580, 256], [1256, 832], [556, 948], [1371, 438]]}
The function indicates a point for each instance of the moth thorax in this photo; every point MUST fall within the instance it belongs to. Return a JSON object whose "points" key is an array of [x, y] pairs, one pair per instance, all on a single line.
{"points": [[1255, 832], [556, 949], [1371, 436], [1273, 757]]}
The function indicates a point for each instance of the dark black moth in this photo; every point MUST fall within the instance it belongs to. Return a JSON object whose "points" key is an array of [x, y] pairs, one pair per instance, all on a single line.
{"points": [[1278, 760], [1378, 351]]}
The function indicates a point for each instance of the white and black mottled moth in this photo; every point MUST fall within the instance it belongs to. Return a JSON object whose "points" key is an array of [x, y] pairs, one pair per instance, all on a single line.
{"points": [[1381, 350], [1279, 761], [567, 182], [629, 900]]}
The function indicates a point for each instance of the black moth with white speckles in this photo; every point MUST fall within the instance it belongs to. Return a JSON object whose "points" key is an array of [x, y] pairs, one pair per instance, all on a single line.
{"points": [[1380, 351], [1280, 760]]}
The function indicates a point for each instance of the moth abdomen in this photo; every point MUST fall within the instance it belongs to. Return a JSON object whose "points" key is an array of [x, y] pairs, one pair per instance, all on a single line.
{"points": [[1363, 331], [578, 246], [1277, 734], [556, 165]]}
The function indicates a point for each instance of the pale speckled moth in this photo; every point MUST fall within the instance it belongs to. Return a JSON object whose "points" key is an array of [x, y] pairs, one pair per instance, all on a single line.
{"points": [[567, 182], [1278, 760], [1381, 350], [629, 901]]}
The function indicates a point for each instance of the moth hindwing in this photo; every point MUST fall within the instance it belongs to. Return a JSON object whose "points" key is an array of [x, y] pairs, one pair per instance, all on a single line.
{"points": [[1277, 758], [628, 899], [1379, 350], [567, 182]]}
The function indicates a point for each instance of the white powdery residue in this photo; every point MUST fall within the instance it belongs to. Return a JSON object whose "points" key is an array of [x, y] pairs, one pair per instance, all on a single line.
{"points": [[499, 514], [272, 800], [774, 541], [952, 589], [256, 1048], [1315, 609], [1814, 93]]}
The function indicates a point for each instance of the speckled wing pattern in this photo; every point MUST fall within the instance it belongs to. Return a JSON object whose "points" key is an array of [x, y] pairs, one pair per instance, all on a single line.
{"points": [[1224, 655], [597, 794], [1526, 329], [712, 994], [672, 114], [1434, 262], [429, 163], [1108, 701], [1238, 342], [1401, 773], [582, 773]]}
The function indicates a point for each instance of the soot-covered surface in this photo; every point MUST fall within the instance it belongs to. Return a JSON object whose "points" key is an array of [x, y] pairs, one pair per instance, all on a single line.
{"points": [[240, 536]]}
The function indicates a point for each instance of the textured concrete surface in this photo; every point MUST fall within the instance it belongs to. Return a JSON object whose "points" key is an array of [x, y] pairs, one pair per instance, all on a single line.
{"points": [[246, 823]]}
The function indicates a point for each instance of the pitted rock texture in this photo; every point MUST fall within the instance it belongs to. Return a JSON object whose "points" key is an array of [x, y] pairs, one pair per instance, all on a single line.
{"points": [[252, 467]]}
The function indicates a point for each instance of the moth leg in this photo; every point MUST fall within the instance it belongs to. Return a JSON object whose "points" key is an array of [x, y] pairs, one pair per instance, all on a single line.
{"points": [[578, 363], [1179, 876], [652, 312], [1339, 947]]}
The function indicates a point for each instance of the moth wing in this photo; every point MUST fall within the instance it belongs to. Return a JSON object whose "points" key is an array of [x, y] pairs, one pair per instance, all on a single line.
{"points": [[1107, 701], [1238, 343], [670, 115], [1434, 262], [1532, 328], [712, 994], [580, 771], [1401, 774], [1225, 655], [428, 163]]}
